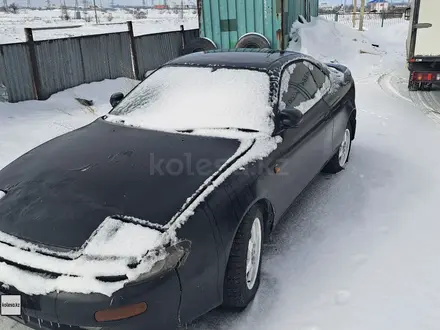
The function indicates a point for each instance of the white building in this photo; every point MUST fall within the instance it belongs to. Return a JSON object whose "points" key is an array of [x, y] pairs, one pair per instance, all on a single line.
{"points": [[378, 5], [325, 6]]}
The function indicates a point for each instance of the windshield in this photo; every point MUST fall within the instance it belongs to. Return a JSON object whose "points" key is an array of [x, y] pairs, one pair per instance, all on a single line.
{"points": [[188, 98]]}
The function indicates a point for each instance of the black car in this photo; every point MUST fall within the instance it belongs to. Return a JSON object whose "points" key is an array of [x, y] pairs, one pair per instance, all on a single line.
{"points": [[156, 213]]}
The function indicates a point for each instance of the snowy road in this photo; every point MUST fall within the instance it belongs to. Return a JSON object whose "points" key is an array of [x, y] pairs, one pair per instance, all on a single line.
{"points": [[359, 250]]}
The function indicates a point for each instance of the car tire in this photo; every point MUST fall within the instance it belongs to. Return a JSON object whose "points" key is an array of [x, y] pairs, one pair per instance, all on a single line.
{"points": [[252, 41], [242, 276], [198, 45], [341, 157]]}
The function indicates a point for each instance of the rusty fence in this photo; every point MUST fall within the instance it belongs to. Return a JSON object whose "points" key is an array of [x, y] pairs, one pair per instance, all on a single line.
{"points": [[34, 70]]}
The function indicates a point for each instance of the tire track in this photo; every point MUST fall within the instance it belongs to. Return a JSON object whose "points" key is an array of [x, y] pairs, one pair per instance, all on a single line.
{"points": [[427, 101]]}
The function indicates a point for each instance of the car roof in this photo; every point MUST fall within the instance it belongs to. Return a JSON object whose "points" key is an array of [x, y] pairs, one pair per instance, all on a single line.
{"points": [[256, 59]]}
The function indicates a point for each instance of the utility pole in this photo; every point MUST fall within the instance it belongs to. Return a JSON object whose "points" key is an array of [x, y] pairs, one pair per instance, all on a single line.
{"points": [[5, 4], [181, 10], [354, 12], [48, 3], [96, 13], [361, 18]]}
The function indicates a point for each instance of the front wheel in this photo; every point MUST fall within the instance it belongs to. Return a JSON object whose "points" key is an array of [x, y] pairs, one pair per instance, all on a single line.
{"points": [[340, 158], [242, 277]]}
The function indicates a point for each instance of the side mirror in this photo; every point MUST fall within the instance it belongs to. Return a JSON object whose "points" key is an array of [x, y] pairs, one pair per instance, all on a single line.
{"points": [[407, 13], [116, 98], [290, 118]]}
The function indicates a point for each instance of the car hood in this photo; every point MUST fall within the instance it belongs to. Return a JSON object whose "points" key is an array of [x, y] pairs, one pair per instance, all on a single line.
{"points": [[60, 192]]}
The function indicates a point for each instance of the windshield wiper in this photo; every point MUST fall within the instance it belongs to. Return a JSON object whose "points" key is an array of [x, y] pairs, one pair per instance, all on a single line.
{"points": [[247, 130]]}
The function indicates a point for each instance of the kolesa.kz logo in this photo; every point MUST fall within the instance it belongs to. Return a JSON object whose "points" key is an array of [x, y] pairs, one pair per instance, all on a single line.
{"points": [[10, 305]]}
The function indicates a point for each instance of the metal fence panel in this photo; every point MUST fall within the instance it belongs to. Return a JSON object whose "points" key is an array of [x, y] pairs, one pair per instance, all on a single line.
{"points": [[16, 72], [156, 49], [60, 65], [69, 62], [106, 56], [191, 34]]}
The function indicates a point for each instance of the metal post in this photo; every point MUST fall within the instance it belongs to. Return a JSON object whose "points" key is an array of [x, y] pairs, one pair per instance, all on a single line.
{"points": [[383, 18], [336, 17], [96, 14], [134, 57], [354, 13], [36, 84], [182, 31], [361, 17]]}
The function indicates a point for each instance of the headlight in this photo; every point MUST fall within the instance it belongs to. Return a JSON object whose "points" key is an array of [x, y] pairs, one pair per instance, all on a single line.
{"points": [[175, 257]]}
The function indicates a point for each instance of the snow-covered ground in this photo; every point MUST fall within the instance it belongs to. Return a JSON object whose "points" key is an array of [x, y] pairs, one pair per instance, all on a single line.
{"points": [[359, 249], [12, 25]]}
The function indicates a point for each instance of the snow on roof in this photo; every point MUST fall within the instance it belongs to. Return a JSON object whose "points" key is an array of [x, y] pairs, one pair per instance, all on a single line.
{"points": [[182, 98]]}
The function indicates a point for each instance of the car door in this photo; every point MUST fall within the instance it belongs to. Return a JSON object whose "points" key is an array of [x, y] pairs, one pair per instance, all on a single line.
{"points": [[323, 83], [301, 154]]}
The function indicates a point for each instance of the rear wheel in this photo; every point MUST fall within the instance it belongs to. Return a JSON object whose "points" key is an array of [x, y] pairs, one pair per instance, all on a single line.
{"points": [[340, 158], [242, 277]]}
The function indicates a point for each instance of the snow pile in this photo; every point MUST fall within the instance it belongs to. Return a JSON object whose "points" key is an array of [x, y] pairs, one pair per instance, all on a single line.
{"points": [[185, 98], [329, 41], [326, 40]]}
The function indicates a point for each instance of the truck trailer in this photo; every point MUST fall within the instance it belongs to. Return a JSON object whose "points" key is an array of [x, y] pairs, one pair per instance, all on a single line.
{"points": [[423, 44]]}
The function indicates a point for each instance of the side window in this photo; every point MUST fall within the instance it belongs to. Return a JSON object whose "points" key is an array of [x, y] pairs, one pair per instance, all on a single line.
{"points": [[291, 94], [302, 77], [317, 74]]}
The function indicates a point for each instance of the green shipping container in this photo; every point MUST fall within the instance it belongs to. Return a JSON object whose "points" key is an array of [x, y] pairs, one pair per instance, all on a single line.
{"points": [[224, 22]]}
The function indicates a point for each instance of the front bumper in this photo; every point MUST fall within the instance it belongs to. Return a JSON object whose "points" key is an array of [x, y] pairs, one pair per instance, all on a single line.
{"points": [[76, 311]]}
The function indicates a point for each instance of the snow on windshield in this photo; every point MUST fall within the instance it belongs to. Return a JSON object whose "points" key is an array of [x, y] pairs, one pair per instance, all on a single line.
{"points": [[181, 98]]}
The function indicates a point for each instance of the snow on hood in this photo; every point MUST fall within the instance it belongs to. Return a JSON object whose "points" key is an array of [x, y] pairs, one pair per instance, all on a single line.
{"points": [[114, 245], [108, 252]]}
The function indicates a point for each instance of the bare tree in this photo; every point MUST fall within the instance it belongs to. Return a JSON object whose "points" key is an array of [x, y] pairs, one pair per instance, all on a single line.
{"points": [[13, 8]]}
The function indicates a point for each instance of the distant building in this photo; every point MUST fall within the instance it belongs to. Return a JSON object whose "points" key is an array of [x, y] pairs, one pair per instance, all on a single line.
{"points": [[378, 5], [325, 6], [160, 7], [405, 4]]}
